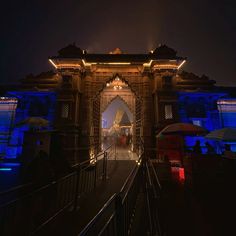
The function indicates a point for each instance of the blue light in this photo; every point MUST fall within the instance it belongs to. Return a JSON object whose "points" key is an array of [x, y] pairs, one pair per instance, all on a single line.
{"points": [[228, 119], [205, 112], [30, 103], [5, 169], [9, 164]]}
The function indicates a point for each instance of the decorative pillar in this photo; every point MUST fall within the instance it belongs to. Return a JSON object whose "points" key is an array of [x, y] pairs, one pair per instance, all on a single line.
{"points": [[67, 120]]}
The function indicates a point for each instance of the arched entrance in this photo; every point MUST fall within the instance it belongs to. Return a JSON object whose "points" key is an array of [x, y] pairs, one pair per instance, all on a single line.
{"points": [[83, 76], [120, 105], [117, 129]]}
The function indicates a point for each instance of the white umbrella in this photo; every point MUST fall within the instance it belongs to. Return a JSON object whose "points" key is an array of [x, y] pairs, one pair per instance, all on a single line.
{"points": [[34, 121], [225, 134]]}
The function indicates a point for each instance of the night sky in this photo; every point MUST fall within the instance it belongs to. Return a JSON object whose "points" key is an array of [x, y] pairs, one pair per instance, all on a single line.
{"points": [[203, 31]]}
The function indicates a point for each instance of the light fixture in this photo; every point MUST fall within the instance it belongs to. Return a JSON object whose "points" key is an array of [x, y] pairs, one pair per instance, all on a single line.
{"points": [[117, 87]]}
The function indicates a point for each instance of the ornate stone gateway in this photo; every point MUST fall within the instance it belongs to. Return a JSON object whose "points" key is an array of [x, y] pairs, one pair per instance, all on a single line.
{"points": [[89, 82]]}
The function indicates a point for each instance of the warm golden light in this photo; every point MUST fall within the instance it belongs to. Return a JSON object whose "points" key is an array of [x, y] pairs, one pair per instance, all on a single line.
{"points": [[166, 66], [64, 65], [53, 63], [171, 65], [117, 87], [181, 64], [69, 65], [104, 63], [87, 63], [117, 63], [148, 64]]}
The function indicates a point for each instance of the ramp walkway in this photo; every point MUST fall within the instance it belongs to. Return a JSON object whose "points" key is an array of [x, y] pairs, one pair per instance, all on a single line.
{"points": [[66, 206], [73, 222]]}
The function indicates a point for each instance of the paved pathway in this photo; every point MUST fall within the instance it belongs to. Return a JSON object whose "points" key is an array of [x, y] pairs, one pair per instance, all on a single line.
{"points": [[124, 153], [118, 171]]}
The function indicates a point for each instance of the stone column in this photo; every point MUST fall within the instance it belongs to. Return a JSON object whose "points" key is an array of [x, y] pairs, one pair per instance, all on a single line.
{"points": [[67, 117]]}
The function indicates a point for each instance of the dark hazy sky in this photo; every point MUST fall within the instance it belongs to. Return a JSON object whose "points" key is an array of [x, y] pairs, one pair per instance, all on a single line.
{"points": [[203, 31]]}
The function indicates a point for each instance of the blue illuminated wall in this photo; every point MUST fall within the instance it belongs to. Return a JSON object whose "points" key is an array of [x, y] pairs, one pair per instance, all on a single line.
{"points": [[7, 114], [29, 104], [200, 108], [227, 111], [229, 119]]}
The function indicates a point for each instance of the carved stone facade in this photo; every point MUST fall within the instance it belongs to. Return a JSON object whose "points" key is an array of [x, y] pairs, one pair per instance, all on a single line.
{"points": [[81, 82], [149, 80]]}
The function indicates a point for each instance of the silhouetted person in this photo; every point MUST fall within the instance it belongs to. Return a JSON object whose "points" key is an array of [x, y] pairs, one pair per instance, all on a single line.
{"points": [[197, 148], [60, 166], [228, 153], [39, 170], [128, 139], [210, 149], [227, 147], [40, 173], [58, 160]]}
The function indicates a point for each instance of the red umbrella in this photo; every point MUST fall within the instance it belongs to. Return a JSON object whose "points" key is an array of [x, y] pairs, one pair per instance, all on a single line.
{"points": [[182, 129]]}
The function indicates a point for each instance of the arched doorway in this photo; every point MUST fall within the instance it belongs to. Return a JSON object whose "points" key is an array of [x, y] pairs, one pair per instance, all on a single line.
{"points": [[116, 112], [117, 125]]}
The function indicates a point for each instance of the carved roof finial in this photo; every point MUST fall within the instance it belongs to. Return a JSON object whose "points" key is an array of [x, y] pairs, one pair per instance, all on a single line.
{"points": [[116, 51]]}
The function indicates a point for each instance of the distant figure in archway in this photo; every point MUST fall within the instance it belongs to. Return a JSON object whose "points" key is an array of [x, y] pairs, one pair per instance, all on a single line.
{"points": [[210, 149], [197, 148], [39, 170]]}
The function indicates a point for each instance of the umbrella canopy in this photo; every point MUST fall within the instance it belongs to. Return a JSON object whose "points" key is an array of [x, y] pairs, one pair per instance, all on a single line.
{"points": [[182, 129], [34, 122], [225, 134]]}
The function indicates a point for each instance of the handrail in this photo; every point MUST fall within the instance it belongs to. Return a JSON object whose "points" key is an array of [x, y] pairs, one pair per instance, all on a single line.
{"points": [[125, 189], [94, 159], [129, 186], [19, 187], [156, 177], [109, 202], [152, 197], [131, 173], [29, 194], [109, 147], [147, 186], [128, 178], [93, 221]]}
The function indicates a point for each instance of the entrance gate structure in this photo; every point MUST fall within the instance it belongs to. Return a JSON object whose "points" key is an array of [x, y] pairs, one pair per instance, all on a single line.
{"points": [[83, 78]]}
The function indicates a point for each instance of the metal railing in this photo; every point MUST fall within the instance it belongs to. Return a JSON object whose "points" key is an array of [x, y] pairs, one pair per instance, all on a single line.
{"points": [[27, 214], [90, 171], [153, 198], [32, 211], [36, 212], [13, 193], [115, 218], [116, 215]]}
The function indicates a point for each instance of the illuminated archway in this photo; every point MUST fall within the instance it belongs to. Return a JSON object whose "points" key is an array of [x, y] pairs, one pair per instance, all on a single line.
{"points": [[115, 89], [117, 128]]}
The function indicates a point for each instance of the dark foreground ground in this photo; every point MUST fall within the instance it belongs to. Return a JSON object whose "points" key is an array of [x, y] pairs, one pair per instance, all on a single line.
{"points": [[207, 210], [204, 211]]}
